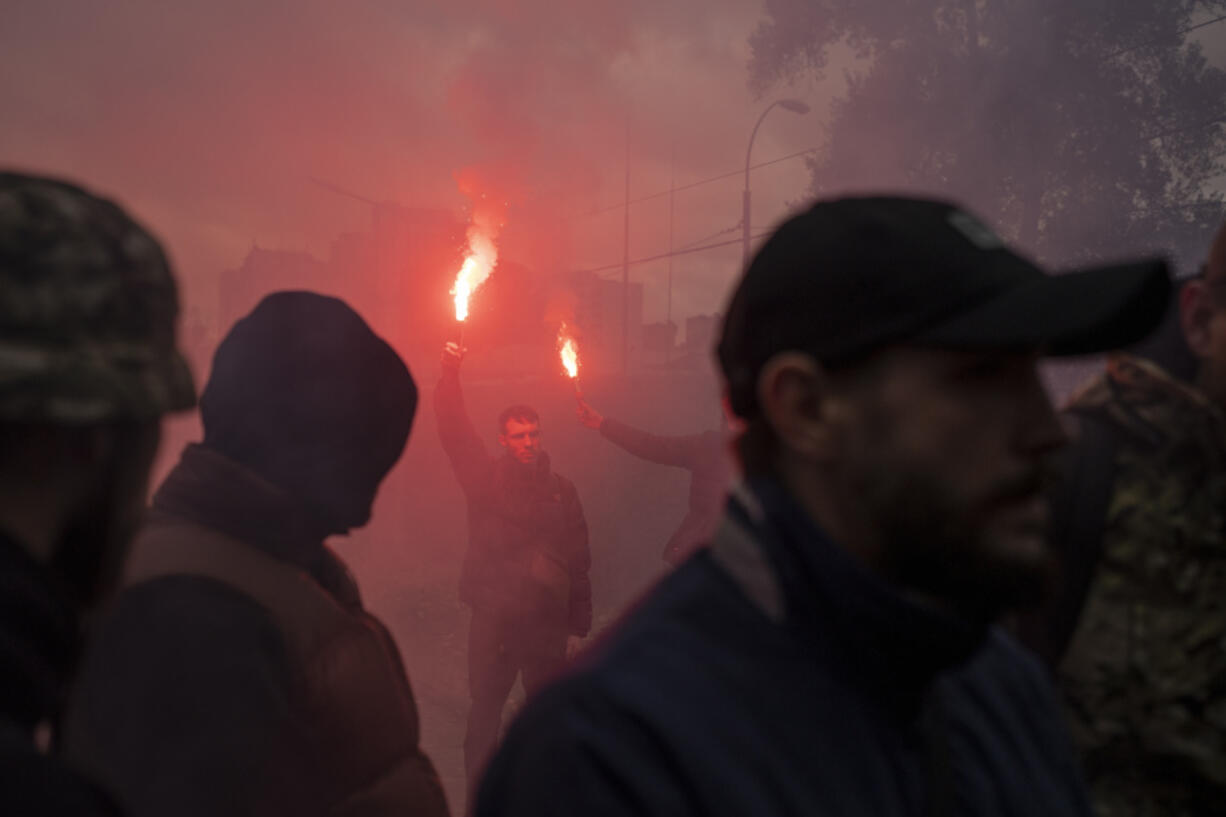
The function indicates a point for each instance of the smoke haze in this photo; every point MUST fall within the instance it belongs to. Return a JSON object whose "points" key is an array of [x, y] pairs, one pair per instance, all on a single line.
{"points": [[212, 121]]}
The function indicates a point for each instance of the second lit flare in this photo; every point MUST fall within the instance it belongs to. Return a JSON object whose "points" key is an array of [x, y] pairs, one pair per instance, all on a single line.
{"points": [[568, 351]]}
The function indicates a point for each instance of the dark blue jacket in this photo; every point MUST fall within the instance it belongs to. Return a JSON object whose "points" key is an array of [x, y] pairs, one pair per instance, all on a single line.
{"points": [[850, 701]]}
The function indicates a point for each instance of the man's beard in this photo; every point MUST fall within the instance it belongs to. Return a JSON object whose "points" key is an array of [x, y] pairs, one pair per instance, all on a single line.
{"points": [[940, 546]]}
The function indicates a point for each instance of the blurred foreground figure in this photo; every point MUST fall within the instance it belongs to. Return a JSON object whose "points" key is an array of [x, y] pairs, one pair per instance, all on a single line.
{"points": [[1138, 631], [705, 455], [833, 651], [525, 574], [238, 673], [88, 366]]}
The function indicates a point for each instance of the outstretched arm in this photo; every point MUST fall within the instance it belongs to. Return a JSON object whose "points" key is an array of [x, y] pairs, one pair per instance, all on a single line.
{"points": [[469, 459], [680, 451]]}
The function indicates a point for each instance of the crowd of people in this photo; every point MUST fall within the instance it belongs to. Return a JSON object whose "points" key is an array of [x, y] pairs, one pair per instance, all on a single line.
{"points": [[922, 589]]}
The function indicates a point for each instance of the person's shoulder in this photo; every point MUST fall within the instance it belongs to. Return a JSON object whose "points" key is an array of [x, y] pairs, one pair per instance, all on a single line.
{"points": [[651, 713], [576, 750], [187, 595], [603, 738], [167, 644], [186, 610], [691, 639]]}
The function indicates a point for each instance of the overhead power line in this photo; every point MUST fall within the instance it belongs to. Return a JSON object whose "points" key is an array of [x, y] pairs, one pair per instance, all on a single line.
{"points": [[712, 236], [644, 260], [698, 183]]}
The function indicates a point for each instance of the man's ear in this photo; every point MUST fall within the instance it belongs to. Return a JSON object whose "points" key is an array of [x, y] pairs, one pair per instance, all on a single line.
{"points": [[1195, 313], [796, 399]]}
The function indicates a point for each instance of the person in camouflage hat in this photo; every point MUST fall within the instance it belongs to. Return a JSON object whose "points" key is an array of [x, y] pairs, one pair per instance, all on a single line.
{"points": [[88, 365], [1145, 672], [88, 307], [1137, 636]]}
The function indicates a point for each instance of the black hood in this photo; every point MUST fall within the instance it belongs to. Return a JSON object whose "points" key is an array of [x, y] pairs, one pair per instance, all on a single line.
{"points": [[304, 393]]}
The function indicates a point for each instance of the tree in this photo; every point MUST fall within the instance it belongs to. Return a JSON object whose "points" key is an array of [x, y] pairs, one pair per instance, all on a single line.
{"points": [[1084, 129]]}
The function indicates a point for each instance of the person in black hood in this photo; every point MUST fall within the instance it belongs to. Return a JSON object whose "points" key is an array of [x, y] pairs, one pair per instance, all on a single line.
{"points": [[238, 672], [525, 573], [835, 649]]}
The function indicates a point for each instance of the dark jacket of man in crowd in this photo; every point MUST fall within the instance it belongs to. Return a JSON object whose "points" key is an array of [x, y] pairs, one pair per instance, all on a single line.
{"points": [[774, 675], [238, 672], [835, 650], [88, 367], [525, 573], [705, 455]]}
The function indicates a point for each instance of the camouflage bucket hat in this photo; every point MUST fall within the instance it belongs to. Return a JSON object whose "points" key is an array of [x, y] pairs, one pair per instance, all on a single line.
{"points": [[88, 309]]}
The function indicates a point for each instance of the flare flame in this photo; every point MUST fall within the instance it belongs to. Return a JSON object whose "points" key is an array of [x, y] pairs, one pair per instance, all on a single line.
{"points": [[477, 266], [568, 350]]}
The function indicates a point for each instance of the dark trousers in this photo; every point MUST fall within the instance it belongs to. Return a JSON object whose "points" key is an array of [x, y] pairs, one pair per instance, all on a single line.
{"points": [[500, 647]]}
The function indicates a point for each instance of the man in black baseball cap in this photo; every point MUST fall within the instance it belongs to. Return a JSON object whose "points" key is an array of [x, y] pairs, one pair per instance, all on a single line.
{"points": [[835, 650]]}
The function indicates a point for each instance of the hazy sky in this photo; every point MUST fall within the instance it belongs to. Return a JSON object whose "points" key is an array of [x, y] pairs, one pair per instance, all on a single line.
{"points": [[209, 118]]}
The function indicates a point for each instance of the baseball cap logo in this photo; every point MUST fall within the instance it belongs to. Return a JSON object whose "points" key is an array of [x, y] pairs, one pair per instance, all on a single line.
{"points": [[975, 231]]}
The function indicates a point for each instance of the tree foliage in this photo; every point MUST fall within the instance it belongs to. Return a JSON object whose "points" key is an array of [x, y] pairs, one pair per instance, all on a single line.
{"points": [[1083, 128]]}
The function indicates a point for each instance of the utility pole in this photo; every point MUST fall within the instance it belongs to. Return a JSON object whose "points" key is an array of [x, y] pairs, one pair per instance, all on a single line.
{"points": [[672, 189], [626, 265]]}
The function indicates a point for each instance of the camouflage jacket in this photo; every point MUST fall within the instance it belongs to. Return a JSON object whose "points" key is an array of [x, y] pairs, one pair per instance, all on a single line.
{"points": [[1145, 673]]}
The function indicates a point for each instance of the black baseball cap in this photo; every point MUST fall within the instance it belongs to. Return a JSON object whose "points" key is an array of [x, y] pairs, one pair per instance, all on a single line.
{"points": [[851, 275]]}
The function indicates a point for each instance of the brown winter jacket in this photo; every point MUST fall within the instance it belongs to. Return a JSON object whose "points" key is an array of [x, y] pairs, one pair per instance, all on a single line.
{"points": [[238, 673], [527, 536]]}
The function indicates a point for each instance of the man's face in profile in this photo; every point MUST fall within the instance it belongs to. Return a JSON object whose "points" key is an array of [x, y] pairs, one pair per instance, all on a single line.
{"points": [[947, 454]]}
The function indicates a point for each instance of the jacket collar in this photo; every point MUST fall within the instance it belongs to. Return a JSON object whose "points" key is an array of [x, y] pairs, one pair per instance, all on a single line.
{"points": [[211, 490], [891, 645]]}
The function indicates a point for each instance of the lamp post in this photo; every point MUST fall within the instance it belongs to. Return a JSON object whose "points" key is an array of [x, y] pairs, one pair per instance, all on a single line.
{"points": [[793, 105]]}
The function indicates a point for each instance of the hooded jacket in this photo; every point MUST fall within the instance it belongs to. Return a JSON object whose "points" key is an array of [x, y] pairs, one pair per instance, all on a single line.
{"points": [[238, 672], [527, 536]]}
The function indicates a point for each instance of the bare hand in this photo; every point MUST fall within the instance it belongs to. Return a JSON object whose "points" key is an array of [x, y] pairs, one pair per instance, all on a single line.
{"points": [[589, 416], [452, 356]]}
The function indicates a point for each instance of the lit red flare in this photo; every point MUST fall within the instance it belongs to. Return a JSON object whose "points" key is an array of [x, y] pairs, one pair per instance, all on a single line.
{"points": [[568, 351], [477, 266]]}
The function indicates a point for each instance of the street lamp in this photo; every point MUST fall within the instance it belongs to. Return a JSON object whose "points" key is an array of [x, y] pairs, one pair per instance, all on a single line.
{"points": [[793, 105]]}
